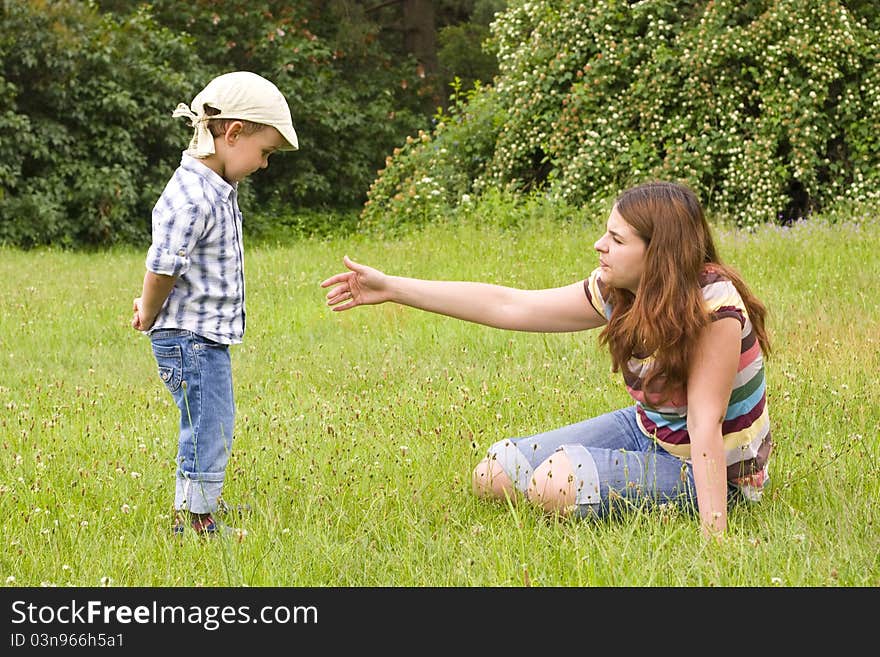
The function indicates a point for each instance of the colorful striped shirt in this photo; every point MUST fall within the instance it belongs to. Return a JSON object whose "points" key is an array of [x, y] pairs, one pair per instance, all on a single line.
{"points": [[197, 238], [746, 425]]}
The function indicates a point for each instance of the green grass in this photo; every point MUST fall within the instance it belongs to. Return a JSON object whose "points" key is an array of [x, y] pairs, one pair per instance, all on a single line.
{"points": [[357, 432]]}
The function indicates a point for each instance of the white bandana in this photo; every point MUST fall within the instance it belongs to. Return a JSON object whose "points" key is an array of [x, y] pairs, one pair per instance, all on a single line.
{"points": [[239, 95]]}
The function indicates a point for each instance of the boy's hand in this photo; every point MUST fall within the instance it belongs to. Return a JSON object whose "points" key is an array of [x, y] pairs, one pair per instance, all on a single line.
{"points": [[138, 321], [146, 307], [359, 287]]}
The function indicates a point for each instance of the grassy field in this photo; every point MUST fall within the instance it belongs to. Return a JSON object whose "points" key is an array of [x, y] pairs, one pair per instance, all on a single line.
{"points": [[357, 432]]}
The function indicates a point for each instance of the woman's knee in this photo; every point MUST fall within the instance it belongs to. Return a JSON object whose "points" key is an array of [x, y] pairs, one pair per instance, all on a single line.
{"points": [[553, 485], [490, 480]]}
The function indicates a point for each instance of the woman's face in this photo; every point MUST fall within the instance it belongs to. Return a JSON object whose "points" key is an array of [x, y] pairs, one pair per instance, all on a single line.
{"points": [[621, 254]]}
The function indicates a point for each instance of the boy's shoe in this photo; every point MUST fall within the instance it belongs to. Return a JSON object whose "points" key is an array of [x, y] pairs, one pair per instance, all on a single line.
{"points": [[203, 524]]}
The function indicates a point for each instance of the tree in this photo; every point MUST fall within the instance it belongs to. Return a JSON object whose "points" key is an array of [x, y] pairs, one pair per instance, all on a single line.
{"points": [[445, 39]]}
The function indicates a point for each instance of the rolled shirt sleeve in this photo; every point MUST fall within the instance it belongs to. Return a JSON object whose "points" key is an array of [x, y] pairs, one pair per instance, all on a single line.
{"points": [[597, 292], [176, 231]]}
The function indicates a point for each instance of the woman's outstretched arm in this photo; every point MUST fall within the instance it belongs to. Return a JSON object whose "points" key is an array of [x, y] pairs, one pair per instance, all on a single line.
{"points": [[550, 310]]}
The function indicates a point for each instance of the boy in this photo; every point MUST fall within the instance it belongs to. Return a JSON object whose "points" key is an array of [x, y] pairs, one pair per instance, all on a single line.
{"points": [[192, 303]]}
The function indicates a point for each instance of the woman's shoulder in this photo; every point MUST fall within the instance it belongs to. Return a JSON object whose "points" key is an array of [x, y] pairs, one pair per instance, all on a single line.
{"points": [[719, 290], [713, 273]]}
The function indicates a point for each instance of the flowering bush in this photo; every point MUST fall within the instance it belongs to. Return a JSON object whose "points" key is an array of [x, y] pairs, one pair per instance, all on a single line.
{"points": [[767, 108], [426, 177]]}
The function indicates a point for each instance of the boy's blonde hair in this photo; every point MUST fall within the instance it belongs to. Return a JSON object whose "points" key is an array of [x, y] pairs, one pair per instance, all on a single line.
{"points": [[218, 127]]}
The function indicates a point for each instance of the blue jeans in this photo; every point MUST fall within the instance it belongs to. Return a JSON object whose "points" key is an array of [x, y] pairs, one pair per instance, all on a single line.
{"points": [[615, 463], [198, 374]]}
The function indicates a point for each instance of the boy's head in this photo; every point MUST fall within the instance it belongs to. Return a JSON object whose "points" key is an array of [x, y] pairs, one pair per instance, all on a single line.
{"points": [[238, 104]]}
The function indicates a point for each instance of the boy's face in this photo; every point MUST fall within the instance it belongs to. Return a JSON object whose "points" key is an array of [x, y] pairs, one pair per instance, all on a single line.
{"points": [[243, 154]]}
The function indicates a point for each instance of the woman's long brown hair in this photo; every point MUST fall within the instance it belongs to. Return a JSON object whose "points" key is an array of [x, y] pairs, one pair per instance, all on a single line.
{"points": [[666, 316]]}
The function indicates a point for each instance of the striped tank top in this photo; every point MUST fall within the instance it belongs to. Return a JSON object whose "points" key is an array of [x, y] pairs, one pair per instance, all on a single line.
{"points": [[746, 425]]}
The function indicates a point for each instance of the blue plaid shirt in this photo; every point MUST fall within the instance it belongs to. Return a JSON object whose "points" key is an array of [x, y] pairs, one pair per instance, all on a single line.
{"points": [[197, 238]]}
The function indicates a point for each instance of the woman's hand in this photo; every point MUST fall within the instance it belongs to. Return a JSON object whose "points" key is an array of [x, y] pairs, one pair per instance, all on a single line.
{"points": [[359, 287]]}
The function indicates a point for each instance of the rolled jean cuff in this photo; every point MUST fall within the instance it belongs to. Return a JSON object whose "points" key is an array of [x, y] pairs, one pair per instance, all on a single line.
{"points": [[198, 495], [586, 474], [513, 462]]}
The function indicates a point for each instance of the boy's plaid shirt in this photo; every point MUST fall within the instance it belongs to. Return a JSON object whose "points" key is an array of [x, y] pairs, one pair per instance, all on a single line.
{"points": [[197, 238]]}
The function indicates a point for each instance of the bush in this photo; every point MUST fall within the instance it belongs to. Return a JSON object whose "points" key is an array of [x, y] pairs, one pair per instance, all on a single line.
{"points": [[429, 175], [767, 108], [87, 141], [85, 135], [350, 101]]}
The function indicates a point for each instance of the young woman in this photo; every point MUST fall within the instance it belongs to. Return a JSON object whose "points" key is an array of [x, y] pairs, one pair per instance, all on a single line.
{"points": [[684, 330]]}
